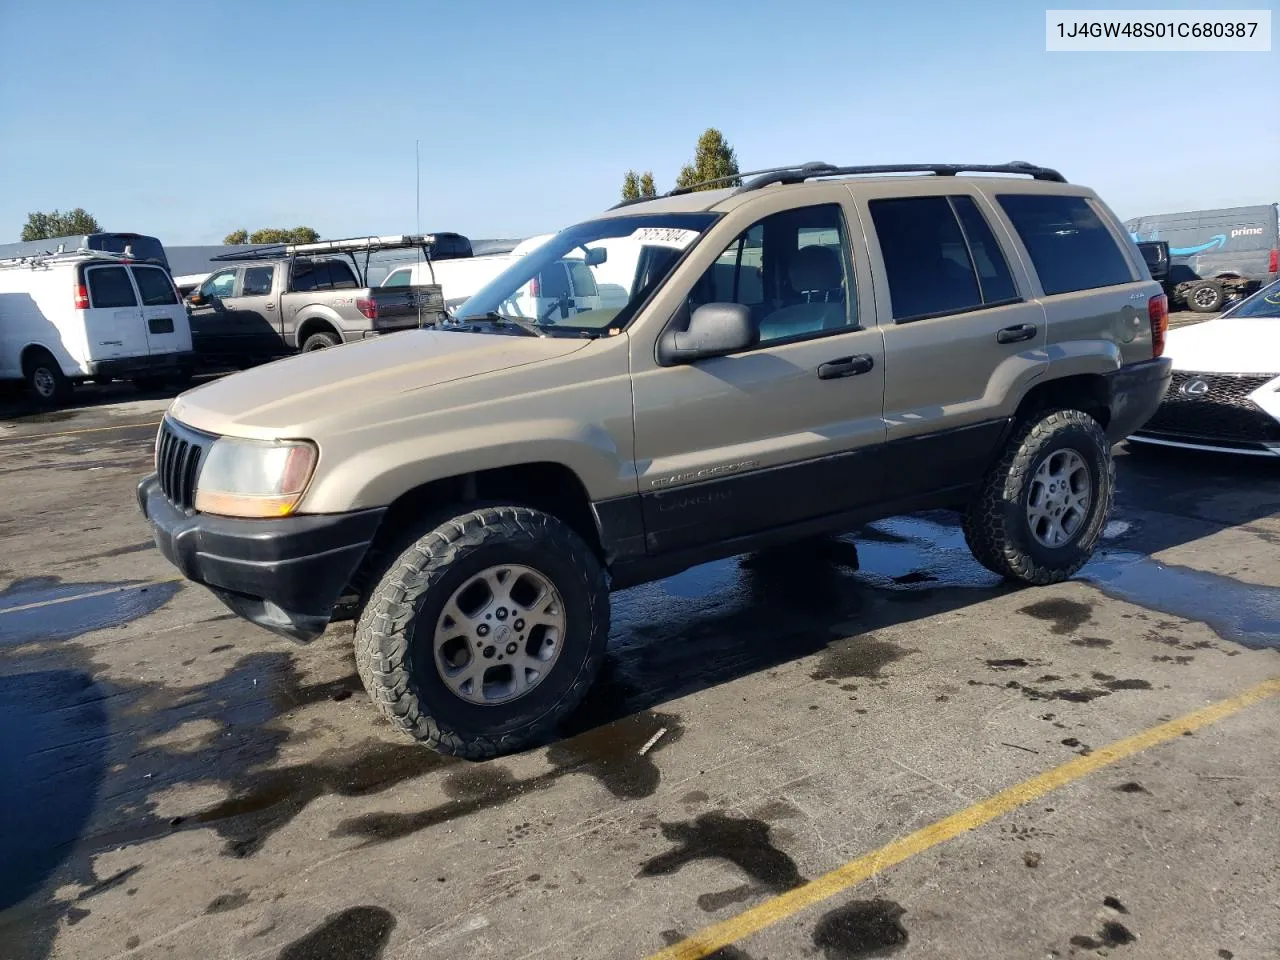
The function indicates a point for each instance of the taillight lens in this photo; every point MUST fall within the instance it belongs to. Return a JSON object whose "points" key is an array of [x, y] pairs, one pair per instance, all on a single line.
{"points": [[367, 306], [1274, 265], [82, 297], [535, 288], [1158, 313]]}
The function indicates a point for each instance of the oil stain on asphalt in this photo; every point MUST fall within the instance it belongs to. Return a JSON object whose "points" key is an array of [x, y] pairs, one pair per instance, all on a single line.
{"points": [[861, 930], [716, 836], [358, 933]]}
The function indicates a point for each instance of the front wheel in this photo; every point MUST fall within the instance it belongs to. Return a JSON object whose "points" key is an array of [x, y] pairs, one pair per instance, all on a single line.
{"points": [[485, 632], [1043, 507]]}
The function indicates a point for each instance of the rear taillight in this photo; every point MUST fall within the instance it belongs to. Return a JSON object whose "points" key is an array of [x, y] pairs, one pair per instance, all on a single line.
{"points": [[1158, 313], [1273, 266], [535, 288], [367, 306], [82, 297]]}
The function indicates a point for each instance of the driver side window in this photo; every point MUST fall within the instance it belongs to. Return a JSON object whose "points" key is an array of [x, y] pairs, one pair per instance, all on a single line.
{"points": [[221, 284], [793, 270]]}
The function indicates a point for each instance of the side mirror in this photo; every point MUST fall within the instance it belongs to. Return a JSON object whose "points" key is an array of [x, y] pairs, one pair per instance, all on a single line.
{"points": [[715, 329], [195, 299], [596, 256]]}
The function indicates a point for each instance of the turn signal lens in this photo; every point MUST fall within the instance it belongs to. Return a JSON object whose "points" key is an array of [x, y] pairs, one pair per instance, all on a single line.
{"points": [[1158, 313]]}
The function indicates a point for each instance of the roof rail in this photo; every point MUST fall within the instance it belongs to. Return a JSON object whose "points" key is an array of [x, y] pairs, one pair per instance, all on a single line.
{"points": [[351, 245], [798, 173], [811, 170]]}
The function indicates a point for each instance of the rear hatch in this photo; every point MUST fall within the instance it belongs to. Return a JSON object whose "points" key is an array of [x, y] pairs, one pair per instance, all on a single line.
{"points": [[114, 327]]}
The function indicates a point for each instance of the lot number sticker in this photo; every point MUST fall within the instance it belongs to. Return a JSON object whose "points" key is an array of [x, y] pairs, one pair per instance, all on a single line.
{"points": [[665, 237]]}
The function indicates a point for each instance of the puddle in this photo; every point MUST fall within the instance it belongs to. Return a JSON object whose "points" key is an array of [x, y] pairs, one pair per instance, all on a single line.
{"points": [[46, 608], [716, 836], [861, 929], [358, 933]]}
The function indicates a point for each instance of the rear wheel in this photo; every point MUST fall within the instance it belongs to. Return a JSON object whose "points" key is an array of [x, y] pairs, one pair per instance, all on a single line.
{"points": [[320, 341], [45, 378], [149, 384], [485, 632], [1043, 507], [1205, 297]]}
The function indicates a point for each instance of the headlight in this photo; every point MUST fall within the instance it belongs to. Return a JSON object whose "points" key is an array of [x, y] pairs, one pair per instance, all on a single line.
{"points": [[254, 478]]}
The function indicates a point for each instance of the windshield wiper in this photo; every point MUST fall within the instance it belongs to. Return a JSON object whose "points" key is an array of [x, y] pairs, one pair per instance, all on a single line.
{"points": [[501, 319]]}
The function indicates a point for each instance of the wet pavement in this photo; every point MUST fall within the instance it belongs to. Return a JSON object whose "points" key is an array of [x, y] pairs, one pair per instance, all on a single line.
{"points": [[174, 782]]}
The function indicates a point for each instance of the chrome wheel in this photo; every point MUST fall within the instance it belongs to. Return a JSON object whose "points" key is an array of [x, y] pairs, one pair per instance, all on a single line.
{"points": [[1061, 493], [499, 635], [1206, 297], [43, 380]]}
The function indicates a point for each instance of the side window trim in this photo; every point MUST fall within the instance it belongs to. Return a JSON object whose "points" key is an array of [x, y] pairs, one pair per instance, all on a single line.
{"points": [[973, 261]]}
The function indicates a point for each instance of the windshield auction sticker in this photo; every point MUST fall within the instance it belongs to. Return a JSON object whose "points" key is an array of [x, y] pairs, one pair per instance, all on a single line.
{"points": [[665, 237]]}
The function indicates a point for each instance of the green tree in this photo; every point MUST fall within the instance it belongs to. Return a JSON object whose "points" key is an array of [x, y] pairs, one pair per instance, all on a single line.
{"points": [[236, 236], [277, 235], [647, 189], [44, 226], [713, 159], [631, 186]]}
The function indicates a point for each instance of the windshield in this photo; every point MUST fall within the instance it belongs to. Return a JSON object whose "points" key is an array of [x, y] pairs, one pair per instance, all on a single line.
{"points": [[591, 276], [1264, 303]]}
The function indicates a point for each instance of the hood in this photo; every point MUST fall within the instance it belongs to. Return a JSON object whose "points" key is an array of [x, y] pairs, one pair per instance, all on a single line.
{"points": [[284, 397], [1227, 345]]}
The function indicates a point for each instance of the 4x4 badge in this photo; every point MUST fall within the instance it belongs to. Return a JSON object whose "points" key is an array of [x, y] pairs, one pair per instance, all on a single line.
{"points": [[1194, 388]]}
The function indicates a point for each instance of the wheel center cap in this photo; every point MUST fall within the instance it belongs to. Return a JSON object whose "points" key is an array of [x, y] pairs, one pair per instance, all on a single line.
{"points": [[502, 634]]}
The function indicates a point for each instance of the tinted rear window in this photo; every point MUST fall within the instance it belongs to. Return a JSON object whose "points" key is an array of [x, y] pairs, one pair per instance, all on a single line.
{"points": [[584, 284], [110, 287], [554, 282], [340, 276], [925, 257], [154, 286], [1070, 247]]}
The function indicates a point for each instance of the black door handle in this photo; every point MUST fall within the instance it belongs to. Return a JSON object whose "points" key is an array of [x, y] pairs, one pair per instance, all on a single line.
{"points": [[1023, 331], [846, 367]]}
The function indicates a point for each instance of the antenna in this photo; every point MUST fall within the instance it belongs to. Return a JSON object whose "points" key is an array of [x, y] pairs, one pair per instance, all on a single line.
{"points": [[417, 188]]}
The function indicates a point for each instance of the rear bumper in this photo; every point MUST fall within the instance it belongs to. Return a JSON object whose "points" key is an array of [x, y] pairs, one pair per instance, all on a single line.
{"points": [[150, 365], [286, 574], [1135, 392]]}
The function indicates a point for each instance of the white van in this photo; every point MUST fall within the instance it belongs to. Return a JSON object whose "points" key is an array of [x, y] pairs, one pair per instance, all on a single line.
{"points": [[564, 288], [71, 317]]}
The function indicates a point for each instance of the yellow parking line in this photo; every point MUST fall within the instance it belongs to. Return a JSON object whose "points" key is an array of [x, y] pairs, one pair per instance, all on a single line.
{"points": [[105, 591], [719, 935], [73, 433]]}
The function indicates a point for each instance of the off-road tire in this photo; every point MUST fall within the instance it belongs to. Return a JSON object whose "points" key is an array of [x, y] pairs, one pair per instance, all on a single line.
{"points": [[995, 523], [1205, 297], [45, 379], [320, 341], [415, 588]]}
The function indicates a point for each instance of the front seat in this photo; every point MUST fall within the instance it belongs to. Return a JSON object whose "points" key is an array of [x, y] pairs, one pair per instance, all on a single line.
{"points": [[815, 273]]}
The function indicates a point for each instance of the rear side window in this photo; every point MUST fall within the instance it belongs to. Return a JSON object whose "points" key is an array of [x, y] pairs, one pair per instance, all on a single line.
{"points": [[155, 287], [988, 259], [257, 281], [584, 284], [925, 257], [1070, 247], [340, 276], [110, 287], [554, 282]]}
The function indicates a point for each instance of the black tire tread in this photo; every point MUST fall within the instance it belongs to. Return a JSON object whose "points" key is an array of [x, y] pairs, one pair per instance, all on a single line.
{"points": [[381, 643], [985, 529]]}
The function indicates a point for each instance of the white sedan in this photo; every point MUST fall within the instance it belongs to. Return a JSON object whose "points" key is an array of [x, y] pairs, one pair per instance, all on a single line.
{"points": [[1225, 392]]}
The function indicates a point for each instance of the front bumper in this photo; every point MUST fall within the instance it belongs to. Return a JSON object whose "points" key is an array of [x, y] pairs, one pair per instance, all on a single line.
{"points": [[286, 574], [150, 365], [1135, 392], [1238, 413]]}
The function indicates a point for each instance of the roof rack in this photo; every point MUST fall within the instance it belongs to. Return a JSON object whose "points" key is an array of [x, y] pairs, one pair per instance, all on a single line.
{"points": [[351, 245], [808, 171], [80, 253]]}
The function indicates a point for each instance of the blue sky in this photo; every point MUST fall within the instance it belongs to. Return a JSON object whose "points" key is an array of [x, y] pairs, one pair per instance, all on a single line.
{"points": [[192, 119]]}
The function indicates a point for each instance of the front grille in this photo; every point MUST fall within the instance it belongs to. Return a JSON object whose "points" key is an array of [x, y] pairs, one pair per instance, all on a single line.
{"points": [[179, 454], [1224, 411]]}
